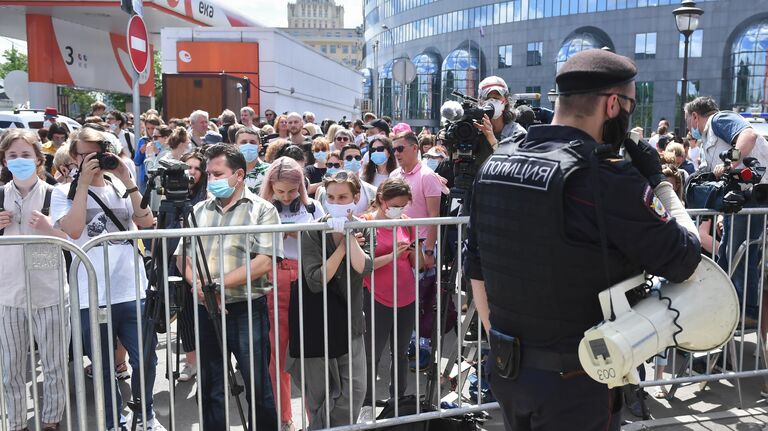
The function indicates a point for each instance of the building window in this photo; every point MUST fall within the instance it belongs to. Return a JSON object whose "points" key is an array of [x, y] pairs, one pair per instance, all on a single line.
{"points": [[535, 53], [354, 49], [534, 89], [354, 62], [694, 44], [345, 49], [323, 48], [643, 115], [460, 72], [424, 92], [749, 67], [338, 34], [645, 46], [693, 92], [580, 41], [505, 56], [333, 49]]}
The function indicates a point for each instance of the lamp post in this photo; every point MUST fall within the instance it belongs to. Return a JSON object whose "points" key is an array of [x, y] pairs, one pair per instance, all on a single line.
{"points": [[687, 20], [375, 83], [391, 68], [552, 97]]}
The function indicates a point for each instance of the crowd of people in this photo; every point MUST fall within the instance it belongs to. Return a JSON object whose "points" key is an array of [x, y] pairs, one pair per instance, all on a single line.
{"points": [[244, 171], [283, 169]]}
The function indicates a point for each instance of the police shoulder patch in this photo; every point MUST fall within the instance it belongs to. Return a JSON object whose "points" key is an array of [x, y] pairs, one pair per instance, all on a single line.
{"points": [[654, 205], [518, 170]]}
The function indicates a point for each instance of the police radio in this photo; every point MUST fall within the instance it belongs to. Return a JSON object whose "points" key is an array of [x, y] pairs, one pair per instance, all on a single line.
{"points": [[697, 315]]}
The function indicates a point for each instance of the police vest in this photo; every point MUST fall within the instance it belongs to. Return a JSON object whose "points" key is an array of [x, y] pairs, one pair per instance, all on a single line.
{"points": [[541, 286]]}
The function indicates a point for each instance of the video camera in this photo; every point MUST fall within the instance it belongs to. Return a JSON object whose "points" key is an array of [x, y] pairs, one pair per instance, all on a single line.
{"points": [[174, 180], [733, 189]]}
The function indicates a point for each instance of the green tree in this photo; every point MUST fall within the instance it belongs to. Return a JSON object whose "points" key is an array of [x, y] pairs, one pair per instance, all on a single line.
{"points": [[158, 82], [13, 60], [79, 100]]}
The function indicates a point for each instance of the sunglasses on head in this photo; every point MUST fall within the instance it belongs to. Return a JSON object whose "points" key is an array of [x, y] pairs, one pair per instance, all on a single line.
{"points": [[378, 149], [338, 176], [342, 139], [333, 165], [349, 158]]}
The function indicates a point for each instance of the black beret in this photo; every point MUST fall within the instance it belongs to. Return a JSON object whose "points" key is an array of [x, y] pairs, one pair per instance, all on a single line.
{"points": [[592, 70]]}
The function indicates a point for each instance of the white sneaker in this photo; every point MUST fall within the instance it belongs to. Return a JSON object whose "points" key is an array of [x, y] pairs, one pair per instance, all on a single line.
{"points": [[366, 414], [187, 373], [155, 425]]}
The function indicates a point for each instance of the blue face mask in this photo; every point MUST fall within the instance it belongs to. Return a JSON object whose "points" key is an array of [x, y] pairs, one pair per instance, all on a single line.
{"points": [[695, 134], [22, 168], [221, 188], [320, 156], [379, 158], [331, 171], [250, 152], [432, 163], [158, 145], [352, 165]]}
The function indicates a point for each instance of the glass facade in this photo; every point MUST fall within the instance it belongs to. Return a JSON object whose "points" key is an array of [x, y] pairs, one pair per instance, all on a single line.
{"points": [[695, 43], [534, 53], [693, 92], [424, 92], [643, 115], [577, 42], [367, 83], [645, 46], [748, 69], [505, 56], [460, 72]]}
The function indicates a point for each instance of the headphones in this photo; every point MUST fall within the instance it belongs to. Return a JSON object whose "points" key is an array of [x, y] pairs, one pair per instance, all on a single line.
{"points": [[294, 206]]}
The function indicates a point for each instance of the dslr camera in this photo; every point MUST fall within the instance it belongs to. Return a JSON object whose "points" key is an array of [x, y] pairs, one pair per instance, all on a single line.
{"points": [[107, 161]]}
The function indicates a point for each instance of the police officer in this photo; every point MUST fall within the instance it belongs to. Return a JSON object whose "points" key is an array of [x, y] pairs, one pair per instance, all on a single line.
{"points": [[553, 222]]}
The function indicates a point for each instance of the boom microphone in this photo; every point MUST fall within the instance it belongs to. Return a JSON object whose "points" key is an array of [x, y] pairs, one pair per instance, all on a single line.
{"points": [[452, 110], [526, 96]]}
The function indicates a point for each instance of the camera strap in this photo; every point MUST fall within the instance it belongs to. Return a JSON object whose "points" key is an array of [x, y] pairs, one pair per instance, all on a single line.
{"points": [[596, 157], [108, 212], [45, 210]]}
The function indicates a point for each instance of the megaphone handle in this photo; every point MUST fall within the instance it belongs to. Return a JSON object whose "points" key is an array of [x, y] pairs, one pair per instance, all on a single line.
{"points": [[614, 301]]}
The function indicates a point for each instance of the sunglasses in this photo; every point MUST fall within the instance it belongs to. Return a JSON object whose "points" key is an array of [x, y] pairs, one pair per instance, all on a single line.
{"points": [[399, 148], [333, 165], [350, 158], [342, 139], [340, 176], [378, 149], [632, 102]]}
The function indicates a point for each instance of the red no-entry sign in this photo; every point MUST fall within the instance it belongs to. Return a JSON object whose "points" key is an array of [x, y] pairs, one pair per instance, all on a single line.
{"points": [[138, 43]]}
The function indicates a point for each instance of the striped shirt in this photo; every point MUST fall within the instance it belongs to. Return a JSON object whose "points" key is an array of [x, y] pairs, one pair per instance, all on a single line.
{"points": [[249, 210]]}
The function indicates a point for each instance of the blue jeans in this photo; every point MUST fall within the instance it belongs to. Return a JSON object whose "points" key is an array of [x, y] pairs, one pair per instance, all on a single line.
{"points": [[211, 378], [125, 326], [756, 228]]}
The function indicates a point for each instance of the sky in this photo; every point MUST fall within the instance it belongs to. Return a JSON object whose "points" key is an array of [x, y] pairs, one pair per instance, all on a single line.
{"points": [[270, 13]]}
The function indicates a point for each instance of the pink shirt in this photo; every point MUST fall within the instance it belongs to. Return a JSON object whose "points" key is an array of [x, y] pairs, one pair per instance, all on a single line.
{"points": [[424, 184], [383, 277]]}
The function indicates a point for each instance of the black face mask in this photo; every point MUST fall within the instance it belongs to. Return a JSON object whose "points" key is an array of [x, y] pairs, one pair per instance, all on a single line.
{"points": [[615, 129]]}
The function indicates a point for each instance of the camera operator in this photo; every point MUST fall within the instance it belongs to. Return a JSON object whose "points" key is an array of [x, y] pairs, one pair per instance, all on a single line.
{"points": [[556, 220], [97, 207], [718, 132], [502, 125]]}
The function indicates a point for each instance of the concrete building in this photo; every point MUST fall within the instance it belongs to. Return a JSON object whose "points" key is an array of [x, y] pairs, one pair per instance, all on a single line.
{"points": [[455, 43], [320, 24]]}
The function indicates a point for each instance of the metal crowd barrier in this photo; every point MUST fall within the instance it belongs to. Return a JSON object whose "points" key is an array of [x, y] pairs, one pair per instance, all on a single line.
{"points": [[454, 362], [43, 253], [457, 354], [742, 251]]}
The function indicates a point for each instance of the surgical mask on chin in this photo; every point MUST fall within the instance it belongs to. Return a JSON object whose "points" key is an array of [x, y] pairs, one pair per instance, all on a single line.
{"points": [[379, 158], [353, 165], [432, 163], [615, 129], [695, 134], [320, 156], [394, 212], [22, 169], [339, 210], [250, 152], [498, 108], [221, 188]]}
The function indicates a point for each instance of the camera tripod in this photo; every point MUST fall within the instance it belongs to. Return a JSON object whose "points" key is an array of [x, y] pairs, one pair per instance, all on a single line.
{"points": [[176, 210]]}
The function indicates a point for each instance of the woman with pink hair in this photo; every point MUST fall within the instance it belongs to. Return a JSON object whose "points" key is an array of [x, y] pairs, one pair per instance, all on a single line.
{"points": [[285, 187]]}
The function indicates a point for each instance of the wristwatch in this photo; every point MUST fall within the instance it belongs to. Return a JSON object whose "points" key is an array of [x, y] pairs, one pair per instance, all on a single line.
{"points": [[129, 191]]}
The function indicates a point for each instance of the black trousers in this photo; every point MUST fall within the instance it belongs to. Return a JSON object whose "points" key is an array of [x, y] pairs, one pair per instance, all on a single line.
{"points": [[546, 401]]}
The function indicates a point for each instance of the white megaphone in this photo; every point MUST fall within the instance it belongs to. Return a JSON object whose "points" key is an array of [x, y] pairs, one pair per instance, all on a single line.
{"points": [[697, 315]]}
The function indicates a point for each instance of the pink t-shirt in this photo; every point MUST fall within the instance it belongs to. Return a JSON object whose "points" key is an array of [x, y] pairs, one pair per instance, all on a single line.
{"points": [[424, 184], [383, 277]]}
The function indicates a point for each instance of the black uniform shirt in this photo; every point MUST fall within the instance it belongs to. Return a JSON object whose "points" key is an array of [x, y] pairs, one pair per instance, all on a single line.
{"points": [[637, 224]]}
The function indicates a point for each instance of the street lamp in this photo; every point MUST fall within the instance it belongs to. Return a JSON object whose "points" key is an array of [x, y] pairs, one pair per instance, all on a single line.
{"points": [[687, 20], [552, 96], [392, 67]]}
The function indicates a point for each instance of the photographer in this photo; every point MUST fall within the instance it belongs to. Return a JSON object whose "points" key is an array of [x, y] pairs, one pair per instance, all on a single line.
{"points": [[502, 125], [718, 132], [84, 209]]}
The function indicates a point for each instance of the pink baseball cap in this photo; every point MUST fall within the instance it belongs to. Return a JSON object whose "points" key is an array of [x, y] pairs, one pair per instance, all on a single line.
{"points": [[400, 128]]}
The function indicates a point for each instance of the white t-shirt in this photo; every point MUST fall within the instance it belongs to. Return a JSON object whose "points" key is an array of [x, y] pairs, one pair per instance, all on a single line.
{"points": [[291, 244], [122, 281]]}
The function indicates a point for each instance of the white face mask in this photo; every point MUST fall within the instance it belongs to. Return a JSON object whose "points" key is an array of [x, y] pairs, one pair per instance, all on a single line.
{"points": [[339, 210], [394, 212], [498, 108]]}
